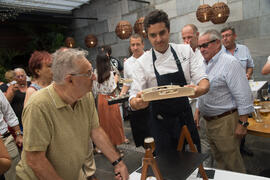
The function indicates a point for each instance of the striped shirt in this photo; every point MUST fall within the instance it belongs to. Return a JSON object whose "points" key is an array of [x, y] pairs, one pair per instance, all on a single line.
{"points": [[242, 53], [229, 88]]}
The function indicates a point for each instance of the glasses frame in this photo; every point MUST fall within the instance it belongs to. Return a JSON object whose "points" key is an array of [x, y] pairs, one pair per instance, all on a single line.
{"points": [[205, 45], [88, 74]]}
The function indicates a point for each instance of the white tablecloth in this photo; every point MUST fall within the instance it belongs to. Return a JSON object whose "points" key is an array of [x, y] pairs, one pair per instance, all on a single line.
{"points": [[219, 175]]}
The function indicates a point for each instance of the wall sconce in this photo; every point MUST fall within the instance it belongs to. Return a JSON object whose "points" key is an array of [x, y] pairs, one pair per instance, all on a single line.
{"points": [[204, 13], [123, 30], [70, 42], [90, 41], [221, 13], [139, 27]]}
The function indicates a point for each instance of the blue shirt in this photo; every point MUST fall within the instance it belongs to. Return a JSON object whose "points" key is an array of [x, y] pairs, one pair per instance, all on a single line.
{"points": [[229, 88], [242, 54]]}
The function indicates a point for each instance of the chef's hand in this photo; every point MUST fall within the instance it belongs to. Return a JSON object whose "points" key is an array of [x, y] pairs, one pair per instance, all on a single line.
{"points": [[137, 102]]}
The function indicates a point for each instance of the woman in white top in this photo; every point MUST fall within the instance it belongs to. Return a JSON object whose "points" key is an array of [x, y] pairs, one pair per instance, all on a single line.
{"points": [[104, 86]]}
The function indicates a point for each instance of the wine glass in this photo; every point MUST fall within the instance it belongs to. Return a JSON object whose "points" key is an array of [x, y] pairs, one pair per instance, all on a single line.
{"points": [[265, 94]]}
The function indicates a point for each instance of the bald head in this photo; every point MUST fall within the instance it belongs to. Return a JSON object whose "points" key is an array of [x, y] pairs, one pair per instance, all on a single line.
{"points": [[190, 35]]}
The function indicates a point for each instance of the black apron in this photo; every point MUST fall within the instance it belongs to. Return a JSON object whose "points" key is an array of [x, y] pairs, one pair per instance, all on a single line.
{"points": [[168, 116], [139, 125]]}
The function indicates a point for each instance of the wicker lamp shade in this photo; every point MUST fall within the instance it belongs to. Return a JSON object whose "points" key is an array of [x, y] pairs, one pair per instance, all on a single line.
{"points": [[90, 41], [204, 13], [139, 27], [221, 13], [123, 30], [70, 42]]}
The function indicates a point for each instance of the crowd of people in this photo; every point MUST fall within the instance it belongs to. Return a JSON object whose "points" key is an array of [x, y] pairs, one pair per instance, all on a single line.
{"points": [[51, 124]]}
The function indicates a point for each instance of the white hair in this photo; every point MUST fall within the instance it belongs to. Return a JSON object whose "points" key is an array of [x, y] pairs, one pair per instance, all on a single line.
{"points": [[64, 62], [19, 70], [213, 34]]}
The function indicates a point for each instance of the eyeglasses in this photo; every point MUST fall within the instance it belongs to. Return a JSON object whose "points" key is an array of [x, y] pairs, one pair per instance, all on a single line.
{"points": [[88, 74], [20, 76], [205, 45], [226, 36]]}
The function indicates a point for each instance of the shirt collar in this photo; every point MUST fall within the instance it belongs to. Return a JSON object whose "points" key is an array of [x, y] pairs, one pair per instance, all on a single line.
{"points": [[215, 58], [58, 102], [162, 55]]}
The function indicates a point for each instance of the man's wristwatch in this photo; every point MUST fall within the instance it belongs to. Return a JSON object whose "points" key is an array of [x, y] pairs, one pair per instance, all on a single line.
{"points": [[245, 124], [19, 133]]}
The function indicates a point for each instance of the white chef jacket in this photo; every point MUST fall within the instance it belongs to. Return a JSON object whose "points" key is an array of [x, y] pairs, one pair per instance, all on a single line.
{"points": [[144, 75], [129, 67]]}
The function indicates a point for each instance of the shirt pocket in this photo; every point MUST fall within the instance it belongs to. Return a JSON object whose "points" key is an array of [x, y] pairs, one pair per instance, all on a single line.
{"points": [[243, 61]]}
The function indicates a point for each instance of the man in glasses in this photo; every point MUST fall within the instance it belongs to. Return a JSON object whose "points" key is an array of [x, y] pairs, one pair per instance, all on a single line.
{"points": [[227, 104], [165, 64], [60, 121], [190, 35], [241, 52]]}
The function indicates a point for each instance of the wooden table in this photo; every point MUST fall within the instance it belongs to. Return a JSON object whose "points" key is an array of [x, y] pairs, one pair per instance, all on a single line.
{"points": [[260, 129]]}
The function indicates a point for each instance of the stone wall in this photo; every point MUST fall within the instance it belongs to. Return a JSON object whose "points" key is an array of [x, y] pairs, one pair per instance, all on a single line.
{"points": [[249, 17]]}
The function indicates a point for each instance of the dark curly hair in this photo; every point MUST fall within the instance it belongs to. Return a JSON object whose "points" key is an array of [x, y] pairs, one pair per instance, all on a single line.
{"points": [[156, 16]]}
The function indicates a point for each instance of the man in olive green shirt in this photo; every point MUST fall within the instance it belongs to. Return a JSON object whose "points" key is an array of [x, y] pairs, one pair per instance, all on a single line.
{"points": [[59, 121]]}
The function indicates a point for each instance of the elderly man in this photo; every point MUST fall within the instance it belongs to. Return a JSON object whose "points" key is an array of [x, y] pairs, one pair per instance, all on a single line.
{"points": [[8, 118], [165, 64], [239, 51], [59, 121], [190, 35], [227, 104]]}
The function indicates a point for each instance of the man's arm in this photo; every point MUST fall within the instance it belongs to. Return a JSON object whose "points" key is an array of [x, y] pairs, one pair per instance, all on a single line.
{"points": [[19, 137], [200, 89], [41, 166], [101, 140], [240, 130], [249, 72], [10, 92], [266, 69]]}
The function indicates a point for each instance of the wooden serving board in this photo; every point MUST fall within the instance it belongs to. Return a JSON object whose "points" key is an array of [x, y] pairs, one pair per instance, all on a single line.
{"points": [[166, 92]]}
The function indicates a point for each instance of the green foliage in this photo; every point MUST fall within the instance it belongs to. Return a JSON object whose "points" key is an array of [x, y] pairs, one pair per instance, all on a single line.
{"points": [[6, 56], [49, 37], [2, 74]]}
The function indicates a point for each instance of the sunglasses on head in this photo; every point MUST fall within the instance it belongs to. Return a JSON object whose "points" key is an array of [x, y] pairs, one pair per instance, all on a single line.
{"points": [[205, 45]]}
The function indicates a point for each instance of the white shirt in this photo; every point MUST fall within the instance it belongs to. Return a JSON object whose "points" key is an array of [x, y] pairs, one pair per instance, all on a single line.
{"points": [[144, 75], [129, 67], [7, 115]]}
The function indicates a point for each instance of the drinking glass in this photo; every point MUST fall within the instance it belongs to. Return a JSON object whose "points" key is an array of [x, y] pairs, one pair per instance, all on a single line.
{"points": [[149, 142], [265, 94], [256, 114]]}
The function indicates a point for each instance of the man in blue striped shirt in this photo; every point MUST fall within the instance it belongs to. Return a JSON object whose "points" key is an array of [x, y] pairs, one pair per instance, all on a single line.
{"points": [[241, 52], [226, 105]]}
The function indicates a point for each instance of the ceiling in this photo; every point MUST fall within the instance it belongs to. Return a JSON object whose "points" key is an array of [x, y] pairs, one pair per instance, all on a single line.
{"points": [[49, 6]]}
